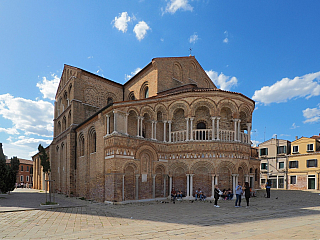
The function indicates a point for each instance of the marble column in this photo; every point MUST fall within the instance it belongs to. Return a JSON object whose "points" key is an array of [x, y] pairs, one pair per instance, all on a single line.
{"points": [[191, 185], [213, 133], [115, 121], [138, 126], [126, 124], [152, 122], [164, 185], [108, 124], [169, 122], [123, 176], [191, 128], [187, 130], [188, 186], [170, 185], [155, 130], [141, 119], [212, 185], [235, 129], [239, 129], [137, 186], [249, 132], [218, 130], [164, 131], [154, 185]]}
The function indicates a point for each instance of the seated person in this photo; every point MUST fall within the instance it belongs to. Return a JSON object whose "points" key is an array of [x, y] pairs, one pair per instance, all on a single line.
{"points": [[179, 194], [230, 194], [198, 193], [224, 194], [173, 194], [202, 196]]}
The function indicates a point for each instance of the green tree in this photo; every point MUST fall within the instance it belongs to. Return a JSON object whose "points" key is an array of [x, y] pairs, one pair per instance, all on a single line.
{"points": [[3, 171], [12, 171]]}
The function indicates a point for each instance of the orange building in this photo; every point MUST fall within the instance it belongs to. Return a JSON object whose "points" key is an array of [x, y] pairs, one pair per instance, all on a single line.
{"points": [[25, 174]]}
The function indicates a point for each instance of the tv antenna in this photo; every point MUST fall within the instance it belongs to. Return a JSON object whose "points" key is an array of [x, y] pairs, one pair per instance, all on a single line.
{"points": [[190, 49]]}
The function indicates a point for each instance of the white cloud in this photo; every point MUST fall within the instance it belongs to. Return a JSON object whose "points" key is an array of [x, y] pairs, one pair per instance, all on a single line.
{"points": [[194, 38], [226, 40], [10, 131], [312, 115], [49, 87], [121, 22], [221, 80], [23, 147], [294, 126], [31, 117], [128, 76], [175, 5], [140, 30], [255, 143], [286, 89]]}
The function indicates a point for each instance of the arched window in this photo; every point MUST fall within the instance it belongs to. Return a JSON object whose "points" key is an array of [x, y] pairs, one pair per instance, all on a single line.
{"points": [[146, 92], [92, 140], [59, 128], [81, 145], [109, 100], [131, 96]]}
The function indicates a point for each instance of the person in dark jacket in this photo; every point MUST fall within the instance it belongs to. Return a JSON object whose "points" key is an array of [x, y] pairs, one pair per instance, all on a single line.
{"points": [[268, 186], [247, 192], [216, 195]]}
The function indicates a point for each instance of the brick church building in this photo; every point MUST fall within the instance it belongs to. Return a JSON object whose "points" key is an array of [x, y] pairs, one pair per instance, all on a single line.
{"points": [[168, 126]]}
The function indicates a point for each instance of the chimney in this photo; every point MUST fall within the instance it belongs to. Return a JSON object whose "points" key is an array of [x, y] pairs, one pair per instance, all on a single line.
{"points": [[296, 137]]}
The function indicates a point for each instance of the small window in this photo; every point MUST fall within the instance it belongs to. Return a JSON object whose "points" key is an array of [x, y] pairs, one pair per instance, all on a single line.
{"points": [[263, 181], [27, 179], [281, 149], [109, 100], [295, 149], [281, 165], [310, 148], [263, 151], [293, 179], [293, 164], [21, 178], [27, 168], [21, 168], [312, 163], [264, 166]]}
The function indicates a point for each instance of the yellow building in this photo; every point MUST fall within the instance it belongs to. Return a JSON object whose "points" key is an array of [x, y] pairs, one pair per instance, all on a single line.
{"points": [[303, 163]]}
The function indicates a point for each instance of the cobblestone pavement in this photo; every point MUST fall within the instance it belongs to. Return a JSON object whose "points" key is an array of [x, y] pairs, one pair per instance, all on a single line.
{"points": [[286, 215]]}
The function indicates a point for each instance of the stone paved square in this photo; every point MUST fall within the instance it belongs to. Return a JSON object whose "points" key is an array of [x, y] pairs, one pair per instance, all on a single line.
{"points": [[286, 215]]}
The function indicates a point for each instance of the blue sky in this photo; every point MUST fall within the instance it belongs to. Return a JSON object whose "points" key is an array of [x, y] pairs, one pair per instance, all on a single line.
{"points": [[266, 50]]}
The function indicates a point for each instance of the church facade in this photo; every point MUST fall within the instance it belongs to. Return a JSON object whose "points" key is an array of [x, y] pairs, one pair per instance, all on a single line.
{"points": [[168, 126]]}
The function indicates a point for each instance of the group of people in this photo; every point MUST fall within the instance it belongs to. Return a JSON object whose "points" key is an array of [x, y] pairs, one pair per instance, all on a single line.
{"points": [[239, 191], [225, 194], [176, 194]]}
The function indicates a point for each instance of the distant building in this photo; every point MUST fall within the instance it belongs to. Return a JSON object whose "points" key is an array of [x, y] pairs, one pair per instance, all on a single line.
{"points": [[303, 163], [25, 174], [273, 165]]}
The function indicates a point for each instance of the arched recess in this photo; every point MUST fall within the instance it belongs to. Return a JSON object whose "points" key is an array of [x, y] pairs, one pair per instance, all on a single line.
{"points": [[178, 171], [202, 177], [178, 120], [69, 119], [226, 119], [111, 97], [147, 126], [245, 116], [224, 172], [64, 123], [132, 122], [81, 144], [130, 170], [59, 128], [208, 103], [177, 71], [92, 140], [131, 96], [193, 71], [227, 103], [161, 116], [144, 90], [151, 152], [177, 105], [159, 181]]}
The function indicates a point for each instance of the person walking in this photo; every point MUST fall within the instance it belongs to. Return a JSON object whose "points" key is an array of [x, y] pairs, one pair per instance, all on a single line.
{"points": [[268, 186], [216, 195], [238, 195], [247, 192]]}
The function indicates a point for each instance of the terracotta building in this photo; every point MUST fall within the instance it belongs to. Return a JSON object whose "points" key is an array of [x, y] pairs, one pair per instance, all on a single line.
{"points": [[168, 126], [25, 174]]}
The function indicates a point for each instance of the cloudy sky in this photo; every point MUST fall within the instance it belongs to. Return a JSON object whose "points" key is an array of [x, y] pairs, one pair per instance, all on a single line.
{"points": [[266, 50]]}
